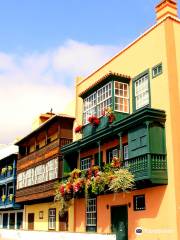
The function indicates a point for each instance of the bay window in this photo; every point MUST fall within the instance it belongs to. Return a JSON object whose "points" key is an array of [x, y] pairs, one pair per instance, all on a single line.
{"points": [[113, 94], [121, 92], [89, 107], [104, 98]]}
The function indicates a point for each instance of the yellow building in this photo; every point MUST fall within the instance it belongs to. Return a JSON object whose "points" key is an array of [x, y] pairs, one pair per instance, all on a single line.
{"points": [[142, 86], [39, 167]]}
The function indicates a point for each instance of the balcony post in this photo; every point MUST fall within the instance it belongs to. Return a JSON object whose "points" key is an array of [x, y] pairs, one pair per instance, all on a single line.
{"points": [[120, 147], [46, 136], [79, 159], [14, 168], [99, 153], [148, 144]]}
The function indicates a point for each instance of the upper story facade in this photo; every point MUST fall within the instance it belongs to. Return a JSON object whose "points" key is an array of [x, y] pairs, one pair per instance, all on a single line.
{"points": [[8, 160], [39, 163], [139, 85]]}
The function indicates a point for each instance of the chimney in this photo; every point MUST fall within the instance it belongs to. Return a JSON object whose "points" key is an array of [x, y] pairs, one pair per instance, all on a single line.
{"points": [[166, 8]]}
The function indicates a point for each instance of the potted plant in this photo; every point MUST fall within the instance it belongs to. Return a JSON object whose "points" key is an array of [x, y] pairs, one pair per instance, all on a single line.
{"points": [[3, 171], [11, 196], [3, 198], [9, 170], [108, 112], [94, 121], [78, 129]]}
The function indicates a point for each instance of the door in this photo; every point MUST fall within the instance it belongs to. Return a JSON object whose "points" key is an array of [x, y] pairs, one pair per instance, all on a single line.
{"points": [[119, 222], [30, 221], [63, 222]]}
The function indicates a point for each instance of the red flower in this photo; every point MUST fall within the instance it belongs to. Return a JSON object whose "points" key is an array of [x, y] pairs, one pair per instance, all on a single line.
{"points": [[78, 129], [62, 190], [94, 120]]}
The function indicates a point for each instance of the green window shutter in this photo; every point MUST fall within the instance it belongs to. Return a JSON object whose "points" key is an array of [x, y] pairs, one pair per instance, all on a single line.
{"points": [[137, 141]]}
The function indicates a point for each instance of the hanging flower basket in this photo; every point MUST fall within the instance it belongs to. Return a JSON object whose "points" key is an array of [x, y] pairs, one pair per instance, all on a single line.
{"points": [[94, 121]]}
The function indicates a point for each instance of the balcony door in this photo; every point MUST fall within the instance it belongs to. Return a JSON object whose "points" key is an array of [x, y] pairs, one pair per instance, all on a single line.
{"points": [[30, 221], [119, 222]]}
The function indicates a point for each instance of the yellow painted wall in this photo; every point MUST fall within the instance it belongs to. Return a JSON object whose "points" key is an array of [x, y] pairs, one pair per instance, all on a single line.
{"points": [[41, 224]]}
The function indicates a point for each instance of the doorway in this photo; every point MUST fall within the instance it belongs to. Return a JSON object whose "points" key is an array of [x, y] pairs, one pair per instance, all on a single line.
{"points": [[30, 221], [119, 222], [63, 222]]}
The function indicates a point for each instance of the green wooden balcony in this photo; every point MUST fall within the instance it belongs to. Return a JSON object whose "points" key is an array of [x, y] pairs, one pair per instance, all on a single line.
{"points": [[150, 167], [89, 130]]}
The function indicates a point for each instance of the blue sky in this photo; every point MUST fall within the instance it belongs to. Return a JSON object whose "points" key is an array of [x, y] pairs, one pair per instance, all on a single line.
{"points": [[36, 25], [45, 44]]}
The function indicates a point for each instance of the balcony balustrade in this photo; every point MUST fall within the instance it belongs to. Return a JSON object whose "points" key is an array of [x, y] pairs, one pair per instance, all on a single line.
{"points": [[152, 167]]}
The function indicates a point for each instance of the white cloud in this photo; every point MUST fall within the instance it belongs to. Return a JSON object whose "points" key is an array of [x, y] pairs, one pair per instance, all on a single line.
{"points": [[34, 83]]}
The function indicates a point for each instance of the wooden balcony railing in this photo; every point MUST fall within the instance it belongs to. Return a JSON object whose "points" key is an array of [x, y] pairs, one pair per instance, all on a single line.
{"points": [[149, 166], [42, 154]]}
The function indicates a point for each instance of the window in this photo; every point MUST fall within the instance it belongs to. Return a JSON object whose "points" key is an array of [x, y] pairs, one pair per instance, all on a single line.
{"points": [[29, 177], [89, 107], [142, 91], [121, 93], [157, 70], [39, 174], [85, 163], [91, 218], [52, 219], [113, 152], [139, 202], [52, 169], [10, 190], [20, 180], [125, 152], [104, 98]]}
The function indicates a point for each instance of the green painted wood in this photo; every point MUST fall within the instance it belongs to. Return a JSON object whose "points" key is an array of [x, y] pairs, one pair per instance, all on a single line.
{"points": [[137, 141], [152, 167], [157, 138]]}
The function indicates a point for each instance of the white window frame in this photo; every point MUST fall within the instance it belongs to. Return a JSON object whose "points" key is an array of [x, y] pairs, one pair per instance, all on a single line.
{"points": [[39, 174], [142, 91], [104, 98], [122, 96], [52, 169], [112, 153], [85, 163], [29, 177], [125, 152], [20, 181], [89, 107], [91, 212], [157, 70], [52, 218]]}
